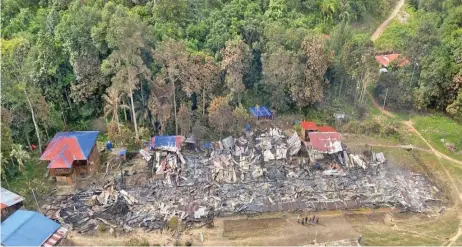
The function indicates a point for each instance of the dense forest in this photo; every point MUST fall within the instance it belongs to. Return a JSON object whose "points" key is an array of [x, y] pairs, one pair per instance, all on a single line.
{"points": [[134, 68]]}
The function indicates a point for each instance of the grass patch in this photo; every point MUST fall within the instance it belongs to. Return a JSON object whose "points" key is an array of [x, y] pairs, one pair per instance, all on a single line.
{"points": [[31, 178], [434, 128]]}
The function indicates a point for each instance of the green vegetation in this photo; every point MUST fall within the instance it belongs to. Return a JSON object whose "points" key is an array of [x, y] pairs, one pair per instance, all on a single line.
{"points": [[428, 35], [441, 131], [132, 69], [394, 36]]}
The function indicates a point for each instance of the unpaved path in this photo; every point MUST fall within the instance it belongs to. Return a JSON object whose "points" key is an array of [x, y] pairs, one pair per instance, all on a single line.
{"points": [[413, 129], [384, 24]]}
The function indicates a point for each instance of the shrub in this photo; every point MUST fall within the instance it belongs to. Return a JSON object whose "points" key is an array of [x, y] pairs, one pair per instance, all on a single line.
{"points": [[137, 242], [353, 127], [102, 228], [389, 129], [173, 223], [371, 127], [177, 243], [188, 243]]}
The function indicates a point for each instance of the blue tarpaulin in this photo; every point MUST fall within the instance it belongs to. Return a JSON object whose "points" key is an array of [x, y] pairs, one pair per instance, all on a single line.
{"points": [[109, 145], [207, 145], [27, 228], [261, 112], [166, 141]]}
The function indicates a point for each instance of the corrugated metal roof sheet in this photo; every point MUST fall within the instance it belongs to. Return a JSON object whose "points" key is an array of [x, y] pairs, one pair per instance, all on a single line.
{"points": [[79, 144], [56, 237], [326, 129], [385, 60], [63, 160], [9, 198], [325, 142], [306, 125], [261, 111], [27, 228]]}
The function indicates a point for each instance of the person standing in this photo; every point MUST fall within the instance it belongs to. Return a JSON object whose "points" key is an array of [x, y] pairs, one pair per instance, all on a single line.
{"points": [[359, 239], [298, 218]]}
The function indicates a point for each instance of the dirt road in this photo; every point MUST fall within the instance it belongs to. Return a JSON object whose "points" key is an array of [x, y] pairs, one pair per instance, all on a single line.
{"points": [[384, 24], [411, 128]]}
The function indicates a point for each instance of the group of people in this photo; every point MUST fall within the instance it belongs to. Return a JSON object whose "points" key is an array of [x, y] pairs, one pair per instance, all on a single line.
{"points": [[307, 220]]}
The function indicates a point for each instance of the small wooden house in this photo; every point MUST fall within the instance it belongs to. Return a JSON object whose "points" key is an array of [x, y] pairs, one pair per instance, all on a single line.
{"points": [[72, 154]]}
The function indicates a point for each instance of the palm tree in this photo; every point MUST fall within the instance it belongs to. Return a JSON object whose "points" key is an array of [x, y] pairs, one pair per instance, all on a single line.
{"points": [[143, 114], [113, 100], [20, 155]]}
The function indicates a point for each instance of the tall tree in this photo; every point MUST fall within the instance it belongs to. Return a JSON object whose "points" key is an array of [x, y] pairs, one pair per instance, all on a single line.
{"points": [[176, 69], [185, 119], [281, 68], [15, 78], [74, 33], [220, 114], [160, 103], [207, 78], [125, 35], [241, 117], [236, 58], [315, 63]]}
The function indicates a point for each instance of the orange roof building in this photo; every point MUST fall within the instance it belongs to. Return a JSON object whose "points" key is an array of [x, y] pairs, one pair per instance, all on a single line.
{"points": [[386, 59]]}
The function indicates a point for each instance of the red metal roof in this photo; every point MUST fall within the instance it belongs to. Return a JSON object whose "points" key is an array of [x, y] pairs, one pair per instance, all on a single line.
{"points": [[63, 160], [58, 144], [306, 125], [325, 142], [385, 60], [326, 129]]}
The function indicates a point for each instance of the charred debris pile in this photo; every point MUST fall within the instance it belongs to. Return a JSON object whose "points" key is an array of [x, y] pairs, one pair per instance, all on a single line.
{"points": [[260, 171]]}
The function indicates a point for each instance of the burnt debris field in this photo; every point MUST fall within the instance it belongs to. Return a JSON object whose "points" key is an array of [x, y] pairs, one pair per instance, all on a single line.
{"points": [[258, 172]]}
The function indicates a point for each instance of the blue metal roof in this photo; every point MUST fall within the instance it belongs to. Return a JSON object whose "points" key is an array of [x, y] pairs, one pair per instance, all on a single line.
{"points": [[27, 228], [260, 111], [86, 139]]}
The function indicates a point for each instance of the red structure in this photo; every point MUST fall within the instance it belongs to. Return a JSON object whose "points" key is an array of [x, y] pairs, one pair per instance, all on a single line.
{"points": [[326, 129], [307, 127], [325, 142], [386, 59]]}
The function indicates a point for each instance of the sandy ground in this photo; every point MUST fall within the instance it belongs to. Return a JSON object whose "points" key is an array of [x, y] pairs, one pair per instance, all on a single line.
{"points": [[274, 230]]}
